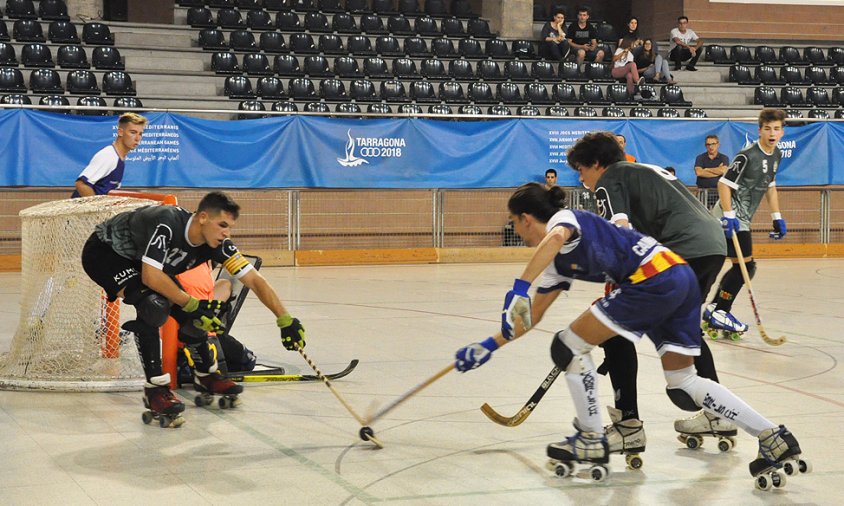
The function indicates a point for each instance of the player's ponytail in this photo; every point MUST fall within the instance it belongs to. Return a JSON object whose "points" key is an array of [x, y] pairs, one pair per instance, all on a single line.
{"points": [[534, 199]]}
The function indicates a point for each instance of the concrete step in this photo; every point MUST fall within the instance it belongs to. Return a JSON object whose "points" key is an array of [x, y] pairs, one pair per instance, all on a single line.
{"points": [[718, 96], [175, 89], [164, 63], [143, 38]]}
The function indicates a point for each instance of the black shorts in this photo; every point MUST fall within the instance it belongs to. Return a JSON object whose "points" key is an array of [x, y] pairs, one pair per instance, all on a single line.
{"points": [[706, 270], [745, 241], [108, 269]]}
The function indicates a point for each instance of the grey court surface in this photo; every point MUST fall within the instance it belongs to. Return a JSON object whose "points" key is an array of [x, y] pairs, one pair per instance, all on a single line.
{"points": [[295, 444]]}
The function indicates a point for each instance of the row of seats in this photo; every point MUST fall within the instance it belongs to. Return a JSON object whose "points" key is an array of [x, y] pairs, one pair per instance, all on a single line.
{"points": [[786, 55], [121, 104], [341, 23], [467, 109], [257, 64], [435, 8], [69, 56], [360, 45], [27, 30], [115, 82], [333, 89], [788, 74], [790, 96], [48, 10]]}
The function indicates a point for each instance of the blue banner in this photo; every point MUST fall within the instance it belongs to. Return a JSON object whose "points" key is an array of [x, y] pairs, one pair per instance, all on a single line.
{"points": [[47, 149]]}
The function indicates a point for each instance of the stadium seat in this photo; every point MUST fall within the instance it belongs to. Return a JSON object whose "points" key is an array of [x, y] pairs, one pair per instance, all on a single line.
{"points": [[695, 112], [452, 27], [481, 93], [275, 5], [592, 94], [117, 82], [358, 6], [92, 102], [409, 7], [433, 68], [363, 90], [436, 8], [528, 110], [516, 70], [716, 53], [190, 3], [766, 74], [251, 106], [270, 87], [317, 22], [272, 42], [347, 67], [836, 75], [478, 28], [470, 48], [379, 108], [818, 97], [259, 20], [792, 75], [107, 58], [285, 106], [557, 111], [569, 71], [301, 88], [537, 93], [598, 72], [648, 94], [440, 110], [792, 97], [742, 54], [4, 32], [53, 10], [640, 112], [302, 43], [376, 67], [82, 82], [497, 48], [740, 73], [509, 93], [70, 57], [15, 99], [55, 100], [333, 90], [617, 94], [542, 71], [470, 110], [667, 112], [404, 68], [443, 48], [330, 6], [371, 24], [816, 75], [422, 91], [256, 64], [384, 6], [63, 32], [359, 45], [36, 55], [347, 108], [303, 5], [793, 114], [585, 112], [221, 4], [393, 90], [499, 110], [452, 92], [412, 109], [839, 114], [813, 55], [564, 93], [791, 55], [238, 87], [766, 96], [330, 43], [818, 114], [461, 70], [387, 45], [766, 55], [399, 25], [316, 65], [11, 81], [212, 40], [671, 94], [613, 112], [44, 81], [523, 49], [416, 46], [230, 19], [244, 41], [835, 55], [287, 21], [97, 34], [28, 30], [20, 9], [8, 58], [343, 22]]}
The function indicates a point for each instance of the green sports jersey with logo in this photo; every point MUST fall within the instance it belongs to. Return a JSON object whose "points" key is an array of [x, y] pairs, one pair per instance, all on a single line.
{"points": [[750, 176]]}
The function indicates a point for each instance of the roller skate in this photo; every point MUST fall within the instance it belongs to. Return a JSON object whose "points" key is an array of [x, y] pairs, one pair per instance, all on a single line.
{"points": [[778, 449], [693, 429], [720, 323], [586, 448], [626, 437], [214, 383], [162, 405]]}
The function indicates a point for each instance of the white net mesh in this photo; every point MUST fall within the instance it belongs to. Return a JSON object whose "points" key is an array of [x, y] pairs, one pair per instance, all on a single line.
{"points": [[68, 338]]}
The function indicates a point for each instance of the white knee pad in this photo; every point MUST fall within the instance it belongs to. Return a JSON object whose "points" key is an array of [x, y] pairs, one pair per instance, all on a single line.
{"points": [[685, 388], [571, 353]]}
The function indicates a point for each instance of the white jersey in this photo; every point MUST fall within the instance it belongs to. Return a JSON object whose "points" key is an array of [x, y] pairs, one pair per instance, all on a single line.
{"points": [[104, 172], [624, 60], [689, 38]]}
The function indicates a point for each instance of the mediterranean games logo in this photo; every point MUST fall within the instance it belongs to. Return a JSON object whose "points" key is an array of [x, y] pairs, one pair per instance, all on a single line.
{"points": [[371, 147], [351, 160]]}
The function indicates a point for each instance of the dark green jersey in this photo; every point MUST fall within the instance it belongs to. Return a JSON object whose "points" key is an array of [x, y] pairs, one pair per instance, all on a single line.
{"points": [[657, 204], [750, 176]]}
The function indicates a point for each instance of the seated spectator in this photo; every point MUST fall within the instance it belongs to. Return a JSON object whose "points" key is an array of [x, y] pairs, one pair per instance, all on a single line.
{"points": [[685, 44], [550, 178], [623, 66], [553, 37], [652, 65], [630, 38], [583, 38]]}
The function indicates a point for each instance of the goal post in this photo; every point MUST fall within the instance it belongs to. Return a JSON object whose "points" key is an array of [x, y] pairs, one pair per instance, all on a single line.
{"points": [[68, 336]]}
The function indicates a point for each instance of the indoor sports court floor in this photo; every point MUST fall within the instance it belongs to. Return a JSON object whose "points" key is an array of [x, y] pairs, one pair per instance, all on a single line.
{"points": [[295, 444]]}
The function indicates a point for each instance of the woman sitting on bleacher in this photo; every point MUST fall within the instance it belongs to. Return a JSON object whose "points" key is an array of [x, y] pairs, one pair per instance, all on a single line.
{"points": [[624, 66], [652, 65]]}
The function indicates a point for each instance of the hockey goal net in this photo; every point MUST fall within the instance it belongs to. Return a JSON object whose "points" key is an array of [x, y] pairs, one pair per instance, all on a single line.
{"points": [[68, 337]]}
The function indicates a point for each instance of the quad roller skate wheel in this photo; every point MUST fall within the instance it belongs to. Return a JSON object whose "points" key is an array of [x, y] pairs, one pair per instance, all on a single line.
{"points": [[726, 444], [599, 473], [228, 402], [691, 441], [147, 417], [765, 482], [794, 467], [634, 461], [202, 400], [561, 469]]}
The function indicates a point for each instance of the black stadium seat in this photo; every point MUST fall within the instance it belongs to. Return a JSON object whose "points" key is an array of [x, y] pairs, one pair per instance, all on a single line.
{"points": [[426, 25], [470, 109], [97, 34], [766, 74], [766, 55], [82, 82], [16, 99], [740, 73], [20, 9], [358, 6], [516, 70], [792, 75], [387, 45], [317, 22], [330, 6], [347, 108], [384, 6], [422, 91], [11, 80], [347, 67], [371, 24], [359, 45], [399, 25], [499, 110], [671, 94], [667, 112], [272, 42], [288, 22], [452, 92], [509, 93], [238, 87], [107, 58], [613, 112], [4, 32], [793, 97], [537, 93], [393, 91], [478, 28], [695, 112], [302, 43], [53, 10], [523, 49], [592, 94], [92, 102], [36, 55], [330, 43], [242, 41], [63, 32], [404, 68], [766, 96], [791, 55], [285, 107], [43, 81], [542, 71], [585, 112], [376, 67], [379, 108], [481, 93], [55, 100], [212, 40], [28, 30], [742, 54], [564, 93], [201, 17], [816, 75], [8, 58], [470, 48], [452, 27], [489, 70], [301, 88], [117, 82], [617, 94], [71, 57], [333, 90], [225, 63], [316, 66], [416, 46], [343, 22], [814, 56], [363, 90], [251, 106], [443, 48], [440, 110], [256, 64], [433, 68], [497, 48], [818, 97], [259, 20], [640, 112], [557, 111]]}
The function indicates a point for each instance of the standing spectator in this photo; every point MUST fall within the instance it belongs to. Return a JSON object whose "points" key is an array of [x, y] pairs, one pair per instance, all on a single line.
{"points": [[652, 65], [583, 37], [554, 37], [623, 66], [709, 167], [631, 37], [550, 178], [622, 141], [685, 44], [105, 170]]}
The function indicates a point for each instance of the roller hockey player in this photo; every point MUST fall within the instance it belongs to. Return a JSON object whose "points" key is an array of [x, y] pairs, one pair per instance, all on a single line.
{"points": [[135, 256], [750, 177], [657, 297]]}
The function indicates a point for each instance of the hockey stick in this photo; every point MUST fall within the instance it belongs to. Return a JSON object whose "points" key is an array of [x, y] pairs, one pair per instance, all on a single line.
{"points": [[364, 434], [528, 408], [413, 391], [272, 375], [746, 276]]}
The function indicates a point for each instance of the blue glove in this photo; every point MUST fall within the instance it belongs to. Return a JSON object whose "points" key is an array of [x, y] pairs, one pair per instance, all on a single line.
{"points": [[779, 227], [475, 355], [516, 303], [729, 223]]}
